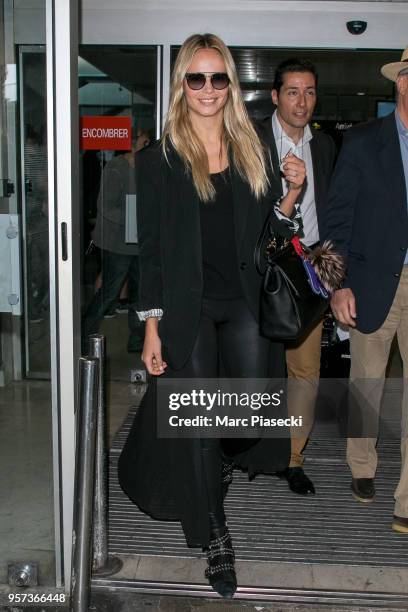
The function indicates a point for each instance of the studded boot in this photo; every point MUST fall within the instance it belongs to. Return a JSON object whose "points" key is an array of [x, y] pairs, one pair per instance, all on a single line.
{"points": [[220, 558]]}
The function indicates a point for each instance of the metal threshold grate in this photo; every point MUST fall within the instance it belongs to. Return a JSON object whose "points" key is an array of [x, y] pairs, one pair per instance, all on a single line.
{"points": [[272, 526]]}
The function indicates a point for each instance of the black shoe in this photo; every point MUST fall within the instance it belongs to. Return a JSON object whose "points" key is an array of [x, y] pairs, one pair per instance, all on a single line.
{"points": [[298, 481], [363, 489], [227, 470], [220, 558], [400, 524], [109, 314], [122, 306], [36, 319]]}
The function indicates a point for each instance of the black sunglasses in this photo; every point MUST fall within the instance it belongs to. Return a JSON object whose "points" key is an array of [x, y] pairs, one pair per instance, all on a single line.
{"points": [[197, 80]]}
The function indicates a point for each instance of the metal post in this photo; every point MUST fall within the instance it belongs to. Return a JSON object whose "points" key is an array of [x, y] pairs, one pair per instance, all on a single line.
{"points": [[84, 484], [103, 565]]}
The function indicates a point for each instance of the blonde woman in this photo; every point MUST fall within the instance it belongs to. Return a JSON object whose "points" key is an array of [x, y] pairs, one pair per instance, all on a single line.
{"points": [[203, 196]]}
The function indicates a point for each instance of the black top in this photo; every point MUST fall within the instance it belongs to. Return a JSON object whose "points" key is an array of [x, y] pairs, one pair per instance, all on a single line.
{"points": [[220, 262]]}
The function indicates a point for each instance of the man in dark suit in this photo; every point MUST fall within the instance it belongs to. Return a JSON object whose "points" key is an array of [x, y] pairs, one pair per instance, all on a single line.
{"points": [[294, 94], [367, 219]]}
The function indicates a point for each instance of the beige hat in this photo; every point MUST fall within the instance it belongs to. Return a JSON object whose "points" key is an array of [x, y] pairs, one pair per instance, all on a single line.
{"points": [[391, 71]]}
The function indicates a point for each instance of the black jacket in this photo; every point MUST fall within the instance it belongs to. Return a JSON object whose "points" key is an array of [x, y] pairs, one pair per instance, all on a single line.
{"points": [[323, 151], [367, 219], [170, 246]]}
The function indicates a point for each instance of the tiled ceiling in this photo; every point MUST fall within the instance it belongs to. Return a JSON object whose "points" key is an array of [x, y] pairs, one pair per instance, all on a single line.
{"points": [[340, 71], [349, 87]]}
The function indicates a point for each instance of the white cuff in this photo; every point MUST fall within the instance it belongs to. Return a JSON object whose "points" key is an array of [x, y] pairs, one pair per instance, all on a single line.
{"points": [[153, 312]]}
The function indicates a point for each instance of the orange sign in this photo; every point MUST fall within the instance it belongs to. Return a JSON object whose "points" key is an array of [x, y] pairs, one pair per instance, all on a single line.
{"points": [[106, 133]]}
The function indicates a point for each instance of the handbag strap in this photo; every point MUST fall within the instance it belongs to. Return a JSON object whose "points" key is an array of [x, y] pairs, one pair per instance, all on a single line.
{"points": [[265, 233]]}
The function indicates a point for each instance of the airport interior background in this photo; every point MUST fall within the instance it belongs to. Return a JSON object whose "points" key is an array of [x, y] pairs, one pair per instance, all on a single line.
{"points": [[122, 80]]}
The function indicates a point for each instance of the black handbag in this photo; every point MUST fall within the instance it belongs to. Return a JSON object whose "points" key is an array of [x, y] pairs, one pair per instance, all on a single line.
{"points": [[292, 302]]}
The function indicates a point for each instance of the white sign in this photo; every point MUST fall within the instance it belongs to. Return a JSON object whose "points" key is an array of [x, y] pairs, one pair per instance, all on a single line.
{"points": [[131, 220]]}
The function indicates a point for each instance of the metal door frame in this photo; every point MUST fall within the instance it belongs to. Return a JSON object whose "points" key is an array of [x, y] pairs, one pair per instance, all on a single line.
{"points": [[62, 148]]}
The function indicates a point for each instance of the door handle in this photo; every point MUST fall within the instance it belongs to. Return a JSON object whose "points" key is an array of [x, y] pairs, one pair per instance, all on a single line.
{"points": [[64, 241]]}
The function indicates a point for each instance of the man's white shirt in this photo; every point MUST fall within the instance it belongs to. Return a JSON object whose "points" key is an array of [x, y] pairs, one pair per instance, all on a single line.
{"points": [[307, 202]]}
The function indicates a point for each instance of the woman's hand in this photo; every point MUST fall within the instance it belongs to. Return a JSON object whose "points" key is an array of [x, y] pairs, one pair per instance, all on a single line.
{"points": [[152, 352], [294, 171]]}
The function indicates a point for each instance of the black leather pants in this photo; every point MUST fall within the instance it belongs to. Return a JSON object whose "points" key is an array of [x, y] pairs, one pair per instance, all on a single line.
{"points": [[227, 344]]}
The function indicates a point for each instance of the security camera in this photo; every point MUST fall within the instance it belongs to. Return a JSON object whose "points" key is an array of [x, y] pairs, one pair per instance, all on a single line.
{"points": [[356, 27]]}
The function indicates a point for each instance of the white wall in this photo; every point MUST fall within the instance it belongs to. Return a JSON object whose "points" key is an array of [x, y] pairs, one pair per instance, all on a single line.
{"points": [[271, 23]]}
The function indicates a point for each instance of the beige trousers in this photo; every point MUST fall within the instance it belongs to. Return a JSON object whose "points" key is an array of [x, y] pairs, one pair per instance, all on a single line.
{"points": [[369, 357], [303, 364]]}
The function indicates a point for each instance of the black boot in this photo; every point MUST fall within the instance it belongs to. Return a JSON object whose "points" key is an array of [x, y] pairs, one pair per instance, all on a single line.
{"points": [[220, 557]]}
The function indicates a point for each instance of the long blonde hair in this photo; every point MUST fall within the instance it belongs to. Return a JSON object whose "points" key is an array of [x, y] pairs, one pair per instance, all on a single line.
{"points": [[239, 135]]}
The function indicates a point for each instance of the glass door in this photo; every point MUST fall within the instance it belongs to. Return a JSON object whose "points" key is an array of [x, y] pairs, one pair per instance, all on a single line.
{"points": [[118, 86], [29, 491], [34, 207], [37, 412]]}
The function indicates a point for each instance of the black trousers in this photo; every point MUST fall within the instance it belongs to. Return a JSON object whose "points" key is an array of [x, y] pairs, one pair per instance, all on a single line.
{"points": [[176, 478], [116, 268], [228, 344]]}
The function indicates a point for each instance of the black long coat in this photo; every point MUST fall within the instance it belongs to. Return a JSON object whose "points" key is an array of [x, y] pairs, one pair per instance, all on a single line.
{"points": [[367, 219], [170, 246], [164, 477]]}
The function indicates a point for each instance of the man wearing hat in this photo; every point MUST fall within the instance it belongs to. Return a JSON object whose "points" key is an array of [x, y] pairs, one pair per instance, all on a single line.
{"points": [[367, 219]]}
